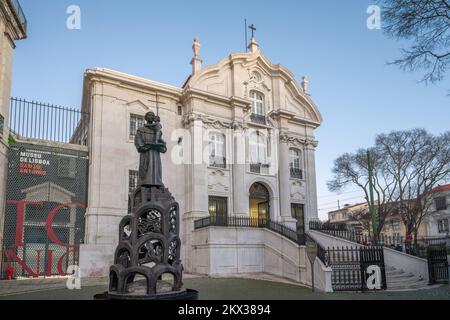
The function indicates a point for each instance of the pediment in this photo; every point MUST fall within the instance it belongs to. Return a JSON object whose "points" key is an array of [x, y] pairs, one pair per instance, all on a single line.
{"points": [[256, 72], [48, 191], [138, 104]]}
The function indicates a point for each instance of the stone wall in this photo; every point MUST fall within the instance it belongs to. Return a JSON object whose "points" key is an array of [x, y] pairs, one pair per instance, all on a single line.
{"points": [[231, 251]]}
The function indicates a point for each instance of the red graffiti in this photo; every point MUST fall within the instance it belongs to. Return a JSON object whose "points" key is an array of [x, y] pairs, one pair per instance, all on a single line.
{"points": [[18, 242]]}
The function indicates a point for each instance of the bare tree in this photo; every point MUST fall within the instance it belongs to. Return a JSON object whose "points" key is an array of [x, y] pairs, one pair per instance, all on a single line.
{"points": [[362, 217], [427, 24], [418, 162], [352, 169]]}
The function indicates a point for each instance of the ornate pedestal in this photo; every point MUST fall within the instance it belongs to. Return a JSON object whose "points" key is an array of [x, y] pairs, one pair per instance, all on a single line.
{"points": [[147, 262]]}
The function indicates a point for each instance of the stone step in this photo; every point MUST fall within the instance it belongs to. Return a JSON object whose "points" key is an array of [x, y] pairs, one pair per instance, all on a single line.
{"points": [[409, 281], [420, 283], [399, 276], [395, 272]]}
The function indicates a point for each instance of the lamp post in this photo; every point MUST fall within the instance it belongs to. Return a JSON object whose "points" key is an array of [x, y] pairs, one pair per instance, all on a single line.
{"points": [[373, 213]]}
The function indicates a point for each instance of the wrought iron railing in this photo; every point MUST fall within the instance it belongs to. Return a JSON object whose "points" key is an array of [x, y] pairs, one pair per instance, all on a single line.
{"points": [[36, 120], [18, 12], [349, 267], [259, 168], [235, 221], [217, 162], [416, 247], [296, 173], [322, 253], [258, 118]]}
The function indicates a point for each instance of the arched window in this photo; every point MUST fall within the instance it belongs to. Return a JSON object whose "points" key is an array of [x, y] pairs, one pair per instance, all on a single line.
{"points": [[258, 108], [217, 150], [295, 164]]}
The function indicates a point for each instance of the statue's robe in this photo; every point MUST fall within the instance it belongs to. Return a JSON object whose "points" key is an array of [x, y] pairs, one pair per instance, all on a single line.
{"points": [[150, 169]]}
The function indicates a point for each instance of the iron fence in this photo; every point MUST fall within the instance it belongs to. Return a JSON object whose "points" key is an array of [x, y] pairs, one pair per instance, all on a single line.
{"points": [[36, 120], [350, 267], [415, 247], [437, 264]]}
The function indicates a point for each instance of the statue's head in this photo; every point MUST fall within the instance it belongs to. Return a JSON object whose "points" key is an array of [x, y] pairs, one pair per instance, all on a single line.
{"points": [[150, 117]]}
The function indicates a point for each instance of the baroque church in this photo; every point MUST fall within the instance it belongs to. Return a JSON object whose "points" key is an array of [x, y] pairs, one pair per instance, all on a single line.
{"points": [[241, 147]]}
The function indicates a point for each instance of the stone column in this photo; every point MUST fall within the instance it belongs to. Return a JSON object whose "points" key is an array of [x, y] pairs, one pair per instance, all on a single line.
{"points": [[311, 212], [285, 184], [196, 191], [240, 194]]}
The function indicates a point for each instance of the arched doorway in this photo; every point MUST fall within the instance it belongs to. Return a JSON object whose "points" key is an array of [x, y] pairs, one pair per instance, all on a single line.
{"points": [[259, 203]]}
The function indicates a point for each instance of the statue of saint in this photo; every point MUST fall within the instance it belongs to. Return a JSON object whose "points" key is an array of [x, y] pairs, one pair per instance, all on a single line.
{"points": [[149, 143]]}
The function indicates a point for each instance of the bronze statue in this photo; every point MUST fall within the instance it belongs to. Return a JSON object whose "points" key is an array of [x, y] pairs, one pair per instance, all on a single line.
{"points": [[147, 263], [149, 143]]}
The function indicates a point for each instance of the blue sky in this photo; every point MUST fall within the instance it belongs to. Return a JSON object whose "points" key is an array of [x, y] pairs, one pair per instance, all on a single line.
{"points": [[356, 92]]}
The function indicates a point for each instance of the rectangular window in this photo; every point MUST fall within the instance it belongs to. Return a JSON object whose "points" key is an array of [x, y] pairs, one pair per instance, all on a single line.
{"points": [[217, 207], [2, 125], [136, 122], [298, 212], [133, 180], [441, 203], [443, 225]]}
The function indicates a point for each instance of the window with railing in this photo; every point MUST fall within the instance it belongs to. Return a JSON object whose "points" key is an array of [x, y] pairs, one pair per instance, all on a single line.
{"points": [[258, 152], [217, 148], [136, 121], [258, 108], [295, 164]]}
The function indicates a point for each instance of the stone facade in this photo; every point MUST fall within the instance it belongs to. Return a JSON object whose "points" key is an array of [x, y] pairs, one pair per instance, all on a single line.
{"points": [[220, 99], [437, 220], [10, 31]]}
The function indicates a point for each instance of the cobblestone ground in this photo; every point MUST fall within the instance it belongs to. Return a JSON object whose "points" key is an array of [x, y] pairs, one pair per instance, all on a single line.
{"points": [[242, 289]]}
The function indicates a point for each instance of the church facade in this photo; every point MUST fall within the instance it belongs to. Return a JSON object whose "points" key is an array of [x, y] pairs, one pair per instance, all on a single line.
{"points": [[240, 143]]}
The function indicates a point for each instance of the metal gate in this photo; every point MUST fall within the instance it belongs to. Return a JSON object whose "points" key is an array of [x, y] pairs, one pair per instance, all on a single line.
{"points": [[437, 263], [357, 269], [45, 207]]}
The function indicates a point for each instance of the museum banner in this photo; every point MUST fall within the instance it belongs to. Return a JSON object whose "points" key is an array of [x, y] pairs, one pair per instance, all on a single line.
{"points": [[46, 198]]}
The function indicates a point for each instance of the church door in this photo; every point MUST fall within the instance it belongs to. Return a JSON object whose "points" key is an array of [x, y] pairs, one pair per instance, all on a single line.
{"points": [[259, 202]]}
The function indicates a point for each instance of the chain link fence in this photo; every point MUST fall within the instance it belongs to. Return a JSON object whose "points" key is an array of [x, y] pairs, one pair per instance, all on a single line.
{"points": [[46, 200]]}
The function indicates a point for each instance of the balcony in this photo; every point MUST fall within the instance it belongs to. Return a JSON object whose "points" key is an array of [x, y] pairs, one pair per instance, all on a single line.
{"points": [[217, 162], [258, 118], [259, 168], [19, 15], [296, 173]]}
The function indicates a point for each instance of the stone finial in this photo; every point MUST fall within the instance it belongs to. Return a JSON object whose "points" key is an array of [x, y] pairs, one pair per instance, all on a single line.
{"points": [[196, 47], [253, 46], [196, 62], [305, 84]]}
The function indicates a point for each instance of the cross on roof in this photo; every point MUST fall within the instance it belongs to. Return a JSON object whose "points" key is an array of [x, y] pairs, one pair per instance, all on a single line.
{"points": [[252, 27]]}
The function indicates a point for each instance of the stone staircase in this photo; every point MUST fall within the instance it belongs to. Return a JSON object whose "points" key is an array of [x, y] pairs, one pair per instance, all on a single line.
{"points": [[399, 280]]}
